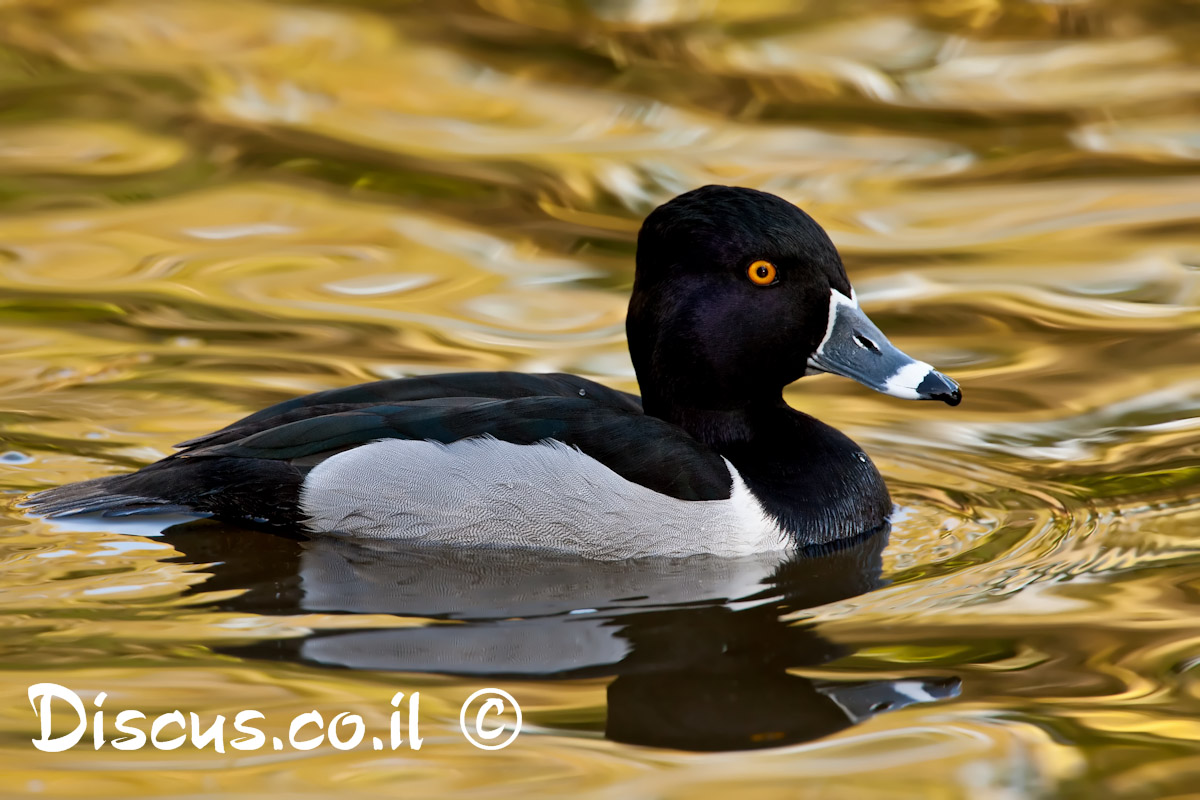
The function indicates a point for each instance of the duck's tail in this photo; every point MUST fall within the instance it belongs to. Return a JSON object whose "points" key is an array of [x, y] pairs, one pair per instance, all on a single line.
{"points": [[111, 496], [255, 490]]}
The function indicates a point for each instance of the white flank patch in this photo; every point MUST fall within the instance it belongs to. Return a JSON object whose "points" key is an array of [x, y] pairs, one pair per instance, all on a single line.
{"points": [[905, 381], [483, 491]]}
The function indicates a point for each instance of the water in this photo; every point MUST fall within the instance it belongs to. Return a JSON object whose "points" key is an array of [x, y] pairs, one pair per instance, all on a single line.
{"points": [[209, 207]]}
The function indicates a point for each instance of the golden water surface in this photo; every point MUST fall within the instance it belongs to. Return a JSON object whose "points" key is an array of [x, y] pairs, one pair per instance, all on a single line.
{"points": [[211, 206]]}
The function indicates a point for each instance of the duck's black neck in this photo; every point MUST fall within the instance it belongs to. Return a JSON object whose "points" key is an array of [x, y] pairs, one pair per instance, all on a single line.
{"points": [[736, 423], [812, 479]]}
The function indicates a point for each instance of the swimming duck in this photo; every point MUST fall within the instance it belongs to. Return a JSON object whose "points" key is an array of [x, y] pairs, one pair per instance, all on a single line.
{"points": [[737, 294]]}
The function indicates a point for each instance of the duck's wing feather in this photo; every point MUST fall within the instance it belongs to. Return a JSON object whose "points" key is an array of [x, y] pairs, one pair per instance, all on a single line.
{"points": [[463, 388], [640, 448], [257, 475]]}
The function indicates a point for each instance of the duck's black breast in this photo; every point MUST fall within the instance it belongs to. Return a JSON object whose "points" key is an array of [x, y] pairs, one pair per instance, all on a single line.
{"points": [[815, 480]]}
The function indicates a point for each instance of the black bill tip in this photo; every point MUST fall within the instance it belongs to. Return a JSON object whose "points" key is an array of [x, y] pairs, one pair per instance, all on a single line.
{"points": [[937, 386]]}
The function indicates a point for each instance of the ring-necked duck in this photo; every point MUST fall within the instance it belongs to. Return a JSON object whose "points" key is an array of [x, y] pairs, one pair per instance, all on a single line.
{"points": [[737, 294]]}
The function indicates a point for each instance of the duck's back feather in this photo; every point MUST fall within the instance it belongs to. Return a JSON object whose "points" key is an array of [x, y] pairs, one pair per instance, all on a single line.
{"points": [[254, 469], [461, 388]]}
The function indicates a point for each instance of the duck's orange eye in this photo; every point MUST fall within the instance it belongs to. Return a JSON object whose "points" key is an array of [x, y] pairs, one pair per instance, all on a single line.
{"points": [[762, 273]]}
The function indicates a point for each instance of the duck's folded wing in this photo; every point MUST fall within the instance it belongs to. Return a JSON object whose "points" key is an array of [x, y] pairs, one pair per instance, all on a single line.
{"points": [[463, 388], [642, 449], [258, 477]]}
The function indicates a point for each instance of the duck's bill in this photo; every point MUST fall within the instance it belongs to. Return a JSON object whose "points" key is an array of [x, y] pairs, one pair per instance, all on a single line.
{"points": [[854, 348]]}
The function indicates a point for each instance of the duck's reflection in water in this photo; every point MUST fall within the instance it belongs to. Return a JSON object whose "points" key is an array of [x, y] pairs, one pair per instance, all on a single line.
{"points": [[699, 655]]}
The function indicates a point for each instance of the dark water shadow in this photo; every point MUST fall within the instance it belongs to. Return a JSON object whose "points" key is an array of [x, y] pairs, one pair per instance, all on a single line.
{"points": [[699, 656]]}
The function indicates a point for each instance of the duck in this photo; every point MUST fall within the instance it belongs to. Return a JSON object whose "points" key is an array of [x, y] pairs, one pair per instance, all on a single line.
{"points": [[737, 294]]}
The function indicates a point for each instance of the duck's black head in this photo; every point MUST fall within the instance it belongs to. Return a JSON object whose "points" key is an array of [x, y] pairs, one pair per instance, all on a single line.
{"points": [[737, 294]]}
